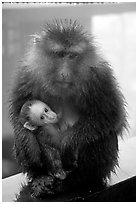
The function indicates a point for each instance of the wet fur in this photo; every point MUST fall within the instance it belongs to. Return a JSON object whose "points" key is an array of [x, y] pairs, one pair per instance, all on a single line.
{"points": [[94, 95]]}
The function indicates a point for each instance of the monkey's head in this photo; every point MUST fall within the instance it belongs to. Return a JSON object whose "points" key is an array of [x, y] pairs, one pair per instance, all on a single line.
{"points": [[61, 57], [35, 113]]}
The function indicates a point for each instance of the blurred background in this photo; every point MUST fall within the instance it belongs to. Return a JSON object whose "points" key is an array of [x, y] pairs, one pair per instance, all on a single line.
{"points": [[114, 28]]}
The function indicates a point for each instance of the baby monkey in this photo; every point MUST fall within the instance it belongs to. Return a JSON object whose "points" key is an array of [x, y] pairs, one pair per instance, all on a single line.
{"points": [[35, 114]]}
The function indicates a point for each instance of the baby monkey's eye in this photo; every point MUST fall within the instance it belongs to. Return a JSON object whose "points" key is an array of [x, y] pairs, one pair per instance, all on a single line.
{"points": [[46, 110], [42, 117]]}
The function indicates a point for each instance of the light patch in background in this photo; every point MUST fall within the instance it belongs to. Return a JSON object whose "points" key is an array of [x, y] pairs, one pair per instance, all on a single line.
{"points": [[116, 35]]}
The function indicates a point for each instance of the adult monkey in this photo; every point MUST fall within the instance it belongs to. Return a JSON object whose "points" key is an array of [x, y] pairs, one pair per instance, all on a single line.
{"points": [[63, 69]]}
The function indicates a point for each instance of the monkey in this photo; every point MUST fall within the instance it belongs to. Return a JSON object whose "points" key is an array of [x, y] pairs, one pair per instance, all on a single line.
{"points": [[35, 114], [63, 68]]}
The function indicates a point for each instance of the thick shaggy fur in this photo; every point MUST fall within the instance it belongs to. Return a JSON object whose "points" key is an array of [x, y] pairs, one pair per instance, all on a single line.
{"points": [[94, 94]]}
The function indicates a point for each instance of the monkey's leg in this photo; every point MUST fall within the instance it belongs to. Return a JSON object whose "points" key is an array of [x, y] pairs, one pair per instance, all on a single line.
{"points": [[69, 150], [55, 163]]}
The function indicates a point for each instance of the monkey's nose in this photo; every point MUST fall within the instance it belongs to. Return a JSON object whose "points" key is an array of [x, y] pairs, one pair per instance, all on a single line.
{"points": [[64, 76], [64, 73]]}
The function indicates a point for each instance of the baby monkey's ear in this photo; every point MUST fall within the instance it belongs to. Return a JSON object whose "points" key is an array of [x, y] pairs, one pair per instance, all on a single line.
{"points": [[29, 126]]}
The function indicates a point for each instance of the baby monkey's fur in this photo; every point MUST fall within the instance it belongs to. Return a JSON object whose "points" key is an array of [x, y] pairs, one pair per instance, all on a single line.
{"points": [[63, 69]]}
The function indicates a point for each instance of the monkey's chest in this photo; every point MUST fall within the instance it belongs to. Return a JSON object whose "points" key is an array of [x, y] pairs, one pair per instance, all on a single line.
{"points": [[68, 116]]}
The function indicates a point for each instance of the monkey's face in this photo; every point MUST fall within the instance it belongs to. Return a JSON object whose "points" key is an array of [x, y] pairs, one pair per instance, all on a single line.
{"points": [[40, 114], [66, 69], [63, 56]]}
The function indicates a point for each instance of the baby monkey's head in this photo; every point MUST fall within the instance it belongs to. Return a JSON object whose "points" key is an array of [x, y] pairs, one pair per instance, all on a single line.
{"points": [[35, 113]]}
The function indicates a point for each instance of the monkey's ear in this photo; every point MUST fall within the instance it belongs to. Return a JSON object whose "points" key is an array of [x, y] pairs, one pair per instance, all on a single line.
{"points": [[29, 126], [36, 38]]}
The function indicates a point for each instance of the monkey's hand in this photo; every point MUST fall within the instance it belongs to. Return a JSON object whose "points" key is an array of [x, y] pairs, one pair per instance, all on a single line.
{"points": [[42, 186], [46, 186]]}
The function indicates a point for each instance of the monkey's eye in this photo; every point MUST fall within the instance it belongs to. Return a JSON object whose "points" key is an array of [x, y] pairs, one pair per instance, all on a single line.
{"points": [[73, 55], [46, 110], [42, 117], [61, 54]]}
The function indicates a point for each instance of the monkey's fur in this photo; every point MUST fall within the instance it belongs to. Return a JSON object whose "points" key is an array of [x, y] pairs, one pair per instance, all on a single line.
{"points": [[63, 69]]}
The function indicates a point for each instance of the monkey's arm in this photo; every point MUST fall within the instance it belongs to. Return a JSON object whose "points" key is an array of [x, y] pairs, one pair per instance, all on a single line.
{"points": [[93, 149], [104, 118], [27, 151], [26, 148]]}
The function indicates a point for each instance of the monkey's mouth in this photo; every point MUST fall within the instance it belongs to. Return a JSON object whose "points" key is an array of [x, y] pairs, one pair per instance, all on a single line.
{"points": [[63, 84]]}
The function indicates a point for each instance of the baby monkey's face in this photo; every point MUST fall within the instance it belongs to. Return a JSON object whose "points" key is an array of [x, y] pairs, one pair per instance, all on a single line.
{"points": [[41, 114]]}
